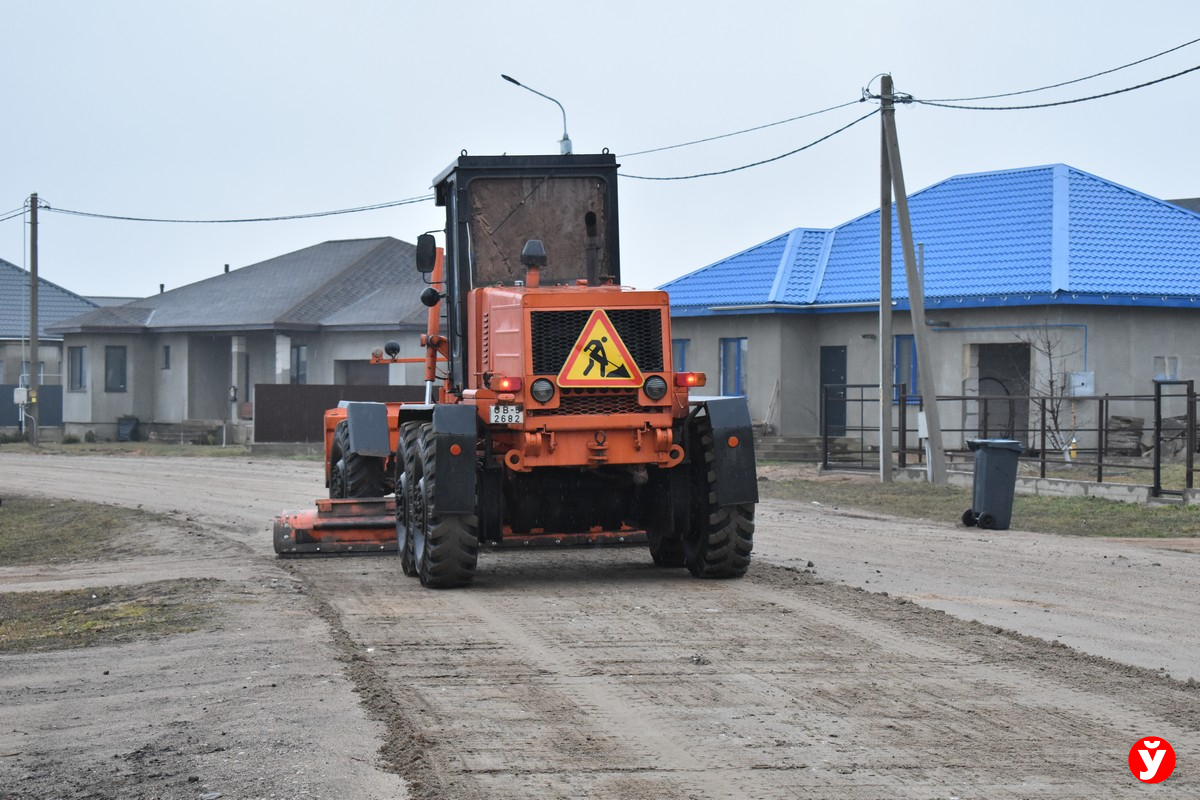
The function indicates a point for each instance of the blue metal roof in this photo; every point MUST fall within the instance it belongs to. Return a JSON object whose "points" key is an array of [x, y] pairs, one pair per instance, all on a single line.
{"points": [[1015, 237]]}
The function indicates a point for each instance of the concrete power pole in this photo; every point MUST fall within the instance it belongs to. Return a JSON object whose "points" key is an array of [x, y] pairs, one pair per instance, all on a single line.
{"points": [[34, 344], [886, 355], [916, 296]]}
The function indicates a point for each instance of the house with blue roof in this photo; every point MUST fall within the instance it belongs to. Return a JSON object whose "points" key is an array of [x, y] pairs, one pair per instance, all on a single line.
{"points": [[54, 305], [1036, 277]]}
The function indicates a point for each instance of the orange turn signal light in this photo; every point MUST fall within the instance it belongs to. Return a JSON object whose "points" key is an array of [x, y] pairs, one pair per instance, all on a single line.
{"points": [[690, 379]]}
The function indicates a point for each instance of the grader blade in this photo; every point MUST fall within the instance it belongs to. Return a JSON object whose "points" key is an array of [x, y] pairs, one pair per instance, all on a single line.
{"points": [[338, 527]]}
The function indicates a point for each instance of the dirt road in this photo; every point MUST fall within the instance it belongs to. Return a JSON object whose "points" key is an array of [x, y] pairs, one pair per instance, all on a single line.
{"points": [[590, 673]]}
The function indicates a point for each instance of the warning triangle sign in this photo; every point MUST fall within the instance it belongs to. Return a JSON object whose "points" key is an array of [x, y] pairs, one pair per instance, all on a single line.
{"points": [[599, 359]]}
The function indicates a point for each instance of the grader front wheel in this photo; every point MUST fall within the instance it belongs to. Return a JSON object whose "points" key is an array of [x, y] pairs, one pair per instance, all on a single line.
{"points": [[353, 475], [721, 538], [446, 546]]}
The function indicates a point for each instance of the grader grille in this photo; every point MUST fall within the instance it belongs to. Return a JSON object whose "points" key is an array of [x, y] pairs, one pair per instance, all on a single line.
{"points": [[554, 334]]}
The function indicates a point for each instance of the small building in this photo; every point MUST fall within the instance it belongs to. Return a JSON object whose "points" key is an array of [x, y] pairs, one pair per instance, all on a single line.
{"points": [[54, 305], [1032, 277], [193, 355]]}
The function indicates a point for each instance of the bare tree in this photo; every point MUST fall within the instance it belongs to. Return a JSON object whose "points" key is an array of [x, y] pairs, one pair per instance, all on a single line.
{"points": [[1052, 386]]}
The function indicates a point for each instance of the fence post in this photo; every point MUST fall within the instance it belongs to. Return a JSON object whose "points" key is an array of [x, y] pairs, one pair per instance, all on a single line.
{"points": [[1101, 436], [824, 428], [902, 421], [1191, 431], [1156, 488], [1042, 445]]}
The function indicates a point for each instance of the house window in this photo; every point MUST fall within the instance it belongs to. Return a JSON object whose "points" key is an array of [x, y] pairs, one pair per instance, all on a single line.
{"points": [[166, 356], [733, 366], [1166, 368], [299, 363], [25, 373], [114, 368], [679, 348], [76, 369], [905, 367]]}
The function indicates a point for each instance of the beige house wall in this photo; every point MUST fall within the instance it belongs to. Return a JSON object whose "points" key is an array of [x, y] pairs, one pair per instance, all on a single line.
{"points": [[195, 385], [1124, 349]]}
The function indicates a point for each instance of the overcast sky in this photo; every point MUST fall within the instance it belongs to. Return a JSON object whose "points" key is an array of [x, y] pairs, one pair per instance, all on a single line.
{"points": [[220, 109]]}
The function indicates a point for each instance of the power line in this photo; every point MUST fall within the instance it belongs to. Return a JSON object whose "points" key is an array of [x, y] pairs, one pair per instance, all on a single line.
{"points": [[739, 133], [12, 214], [1064, 83], [756, 163], [356, 210], [1060, 102]]}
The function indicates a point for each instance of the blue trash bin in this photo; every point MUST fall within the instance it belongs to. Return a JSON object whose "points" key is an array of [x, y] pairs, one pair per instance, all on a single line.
{"points": [[995, 482], [127, 429]]}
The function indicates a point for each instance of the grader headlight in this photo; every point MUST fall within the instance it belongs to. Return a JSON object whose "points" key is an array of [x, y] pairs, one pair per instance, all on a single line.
{"points": [[542, 390], [655, 387]]}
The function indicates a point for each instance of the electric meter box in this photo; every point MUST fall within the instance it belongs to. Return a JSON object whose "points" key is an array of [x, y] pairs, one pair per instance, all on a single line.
{"points": [[1081, 384], [20, 396]]}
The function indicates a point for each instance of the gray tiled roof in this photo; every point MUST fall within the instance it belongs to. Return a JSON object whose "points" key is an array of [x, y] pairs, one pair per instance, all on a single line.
{"points": [[329, 284], [55, 303]]}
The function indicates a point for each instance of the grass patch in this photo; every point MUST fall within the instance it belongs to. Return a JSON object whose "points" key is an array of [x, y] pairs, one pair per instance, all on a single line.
{"points": [[42, 621], [156, 449], [41, 531], [131, 449], [1071, 516]]}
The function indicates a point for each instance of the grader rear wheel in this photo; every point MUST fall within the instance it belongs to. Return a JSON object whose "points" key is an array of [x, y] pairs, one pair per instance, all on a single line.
{"points": [[408, 501], [666, 552]]}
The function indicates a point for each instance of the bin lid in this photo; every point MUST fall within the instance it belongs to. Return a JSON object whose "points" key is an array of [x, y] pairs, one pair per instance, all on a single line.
{"points": [[999, 444]]}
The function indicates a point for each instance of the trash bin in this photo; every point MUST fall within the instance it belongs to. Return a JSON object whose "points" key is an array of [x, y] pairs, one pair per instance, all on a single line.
{"points": [[995, 482], [127, 429]]}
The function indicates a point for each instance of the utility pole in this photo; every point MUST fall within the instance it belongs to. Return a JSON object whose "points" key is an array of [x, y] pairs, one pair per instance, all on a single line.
{"points": [[916, 299], [34, 344], [886, 389]]}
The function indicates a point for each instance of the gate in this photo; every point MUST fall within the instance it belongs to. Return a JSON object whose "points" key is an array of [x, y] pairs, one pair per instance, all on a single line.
{"points": [[1173, 432]]}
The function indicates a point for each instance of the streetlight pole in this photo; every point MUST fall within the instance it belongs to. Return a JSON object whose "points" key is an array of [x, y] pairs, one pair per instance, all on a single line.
{"points": [[564, 146]]}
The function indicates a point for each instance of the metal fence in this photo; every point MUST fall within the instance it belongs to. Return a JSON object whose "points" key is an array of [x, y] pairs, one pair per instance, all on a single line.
{"points": [[1150, 437], [50, 406], [296, 412]]}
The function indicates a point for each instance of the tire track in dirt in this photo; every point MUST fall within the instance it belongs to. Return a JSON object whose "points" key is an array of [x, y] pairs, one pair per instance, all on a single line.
{"points": [[593, 674]]}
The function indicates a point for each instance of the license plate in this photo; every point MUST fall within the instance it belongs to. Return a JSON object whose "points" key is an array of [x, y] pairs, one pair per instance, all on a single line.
{"points": [[507, 415]]}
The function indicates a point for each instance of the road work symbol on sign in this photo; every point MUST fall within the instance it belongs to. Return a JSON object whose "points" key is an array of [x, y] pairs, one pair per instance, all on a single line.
{"points": [[1152, 759], [599, 359]]}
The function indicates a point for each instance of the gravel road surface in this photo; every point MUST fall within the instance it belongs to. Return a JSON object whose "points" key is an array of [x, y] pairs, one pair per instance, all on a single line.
{"points": [[910, 660]]}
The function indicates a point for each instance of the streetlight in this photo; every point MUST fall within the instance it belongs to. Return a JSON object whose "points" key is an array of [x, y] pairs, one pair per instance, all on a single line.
{"points": [[564, 146]]}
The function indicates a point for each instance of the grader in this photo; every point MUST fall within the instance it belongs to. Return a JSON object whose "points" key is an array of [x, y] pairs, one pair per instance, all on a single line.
{"points": [[552, 412]]}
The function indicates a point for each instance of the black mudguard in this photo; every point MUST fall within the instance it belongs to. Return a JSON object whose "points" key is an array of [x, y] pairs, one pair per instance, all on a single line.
{"points": [[455, 424], [737, 478], [368, 428]]}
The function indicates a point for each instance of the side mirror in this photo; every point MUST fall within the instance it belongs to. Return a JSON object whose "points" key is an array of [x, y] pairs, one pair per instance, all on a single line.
{"points": [[426, 253]]}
